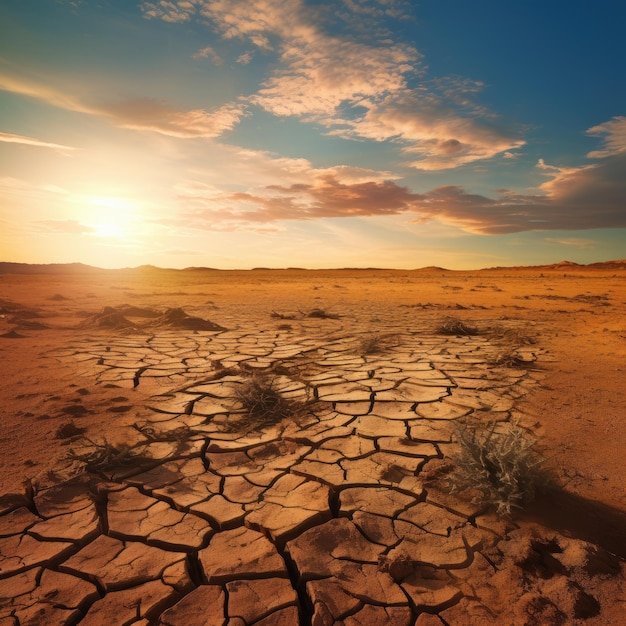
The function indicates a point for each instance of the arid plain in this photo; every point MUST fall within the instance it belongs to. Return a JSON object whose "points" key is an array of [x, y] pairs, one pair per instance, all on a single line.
{"points": [[136, 489]]}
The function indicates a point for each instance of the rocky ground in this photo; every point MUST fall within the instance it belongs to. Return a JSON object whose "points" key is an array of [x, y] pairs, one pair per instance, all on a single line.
{"points": [[142, 487]]}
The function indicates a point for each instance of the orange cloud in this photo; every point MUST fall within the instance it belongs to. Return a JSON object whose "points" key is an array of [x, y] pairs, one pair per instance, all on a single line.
{"points": [[573, 199]]}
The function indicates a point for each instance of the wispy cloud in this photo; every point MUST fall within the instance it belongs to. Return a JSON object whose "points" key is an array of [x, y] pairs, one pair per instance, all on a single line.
{"points": [[144, 114], [574, 242], [63, 226], [358, 87], [160, 117], [32, 141], [614, 134], [17, 186]]}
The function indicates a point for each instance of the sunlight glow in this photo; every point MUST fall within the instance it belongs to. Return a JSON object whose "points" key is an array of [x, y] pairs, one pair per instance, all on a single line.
{"points": [[109, 229], [111, 217], [112, 202]]}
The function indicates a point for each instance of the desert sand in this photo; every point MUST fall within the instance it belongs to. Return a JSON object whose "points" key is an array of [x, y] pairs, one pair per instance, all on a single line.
{"points": [[136, 488]]}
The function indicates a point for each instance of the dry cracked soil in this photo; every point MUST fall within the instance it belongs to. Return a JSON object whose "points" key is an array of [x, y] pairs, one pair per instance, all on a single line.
{"points": [[268, 448]]}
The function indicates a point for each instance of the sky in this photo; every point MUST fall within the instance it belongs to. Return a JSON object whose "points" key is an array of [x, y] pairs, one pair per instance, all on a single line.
{"points": [[312, 133]]}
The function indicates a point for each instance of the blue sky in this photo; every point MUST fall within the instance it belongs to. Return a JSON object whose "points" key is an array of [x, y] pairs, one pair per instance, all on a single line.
{"points": [[236, 134]]}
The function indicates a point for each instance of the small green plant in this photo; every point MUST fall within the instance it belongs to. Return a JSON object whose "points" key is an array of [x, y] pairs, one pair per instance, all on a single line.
{"points": [[498, 463], [262, 401], [455, 327]]}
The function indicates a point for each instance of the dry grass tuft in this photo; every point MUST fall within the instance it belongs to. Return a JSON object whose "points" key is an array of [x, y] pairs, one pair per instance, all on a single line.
{"points": [[455, 327], [322, 314], [512, 342], [498, 464], [106, 456], [261, 400], [375, 343]]}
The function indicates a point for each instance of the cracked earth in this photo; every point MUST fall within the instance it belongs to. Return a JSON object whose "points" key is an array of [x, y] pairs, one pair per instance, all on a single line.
{"points": [[204, 515]]}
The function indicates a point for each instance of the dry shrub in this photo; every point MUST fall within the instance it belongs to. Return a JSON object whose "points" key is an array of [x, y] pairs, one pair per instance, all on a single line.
{"points": [[512, 341], [454, 326], [282, 316], [375, 343], [262, 401], [498, 464], [68, 430], [322, 314], [371, 344], [105, 456]]}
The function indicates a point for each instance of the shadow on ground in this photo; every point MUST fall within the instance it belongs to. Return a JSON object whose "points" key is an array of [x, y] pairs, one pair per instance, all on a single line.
{"points": [[580, 518]]}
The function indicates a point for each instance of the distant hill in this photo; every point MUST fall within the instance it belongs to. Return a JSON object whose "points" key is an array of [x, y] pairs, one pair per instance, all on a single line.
{"points": [[47, 268], [568, 265], [601, 265], [609, 265], [81, 268]]}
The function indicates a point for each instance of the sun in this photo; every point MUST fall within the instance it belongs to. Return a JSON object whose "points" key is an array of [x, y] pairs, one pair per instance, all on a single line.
{"points": [[111, 217], [108, 229]]}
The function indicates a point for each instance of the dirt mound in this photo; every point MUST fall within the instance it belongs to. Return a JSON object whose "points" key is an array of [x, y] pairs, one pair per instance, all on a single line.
{"points": [[7, 307], [177, 318], [11, 335], [26, 323], [129, 310], [108, 317]]}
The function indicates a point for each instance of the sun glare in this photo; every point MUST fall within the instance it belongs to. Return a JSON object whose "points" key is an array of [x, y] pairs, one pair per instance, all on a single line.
{"points": [[112, 202], [111, 217], [108, 230]]}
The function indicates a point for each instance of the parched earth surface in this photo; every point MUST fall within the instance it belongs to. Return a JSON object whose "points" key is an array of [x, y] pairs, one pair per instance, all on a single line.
{"points": [[195, 511]]}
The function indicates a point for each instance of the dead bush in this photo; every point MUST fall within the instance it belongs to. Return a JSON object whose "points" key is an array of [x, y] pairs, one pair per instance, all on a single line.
{"points": [[455, 327], [498, 465]]}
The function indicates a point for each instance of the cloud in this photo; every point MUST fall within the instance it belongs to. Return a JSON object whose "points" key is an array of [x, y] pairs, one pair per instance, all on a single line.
{"points": [[208, 52], [159, 116], [31, 141], [63, 226], [172, 12], [322, 74], [576, 242], [574, 198], [39, 91], [17, 186], [244, 58], [614, 135], [428, 128], [358, 85], [144, 114]]}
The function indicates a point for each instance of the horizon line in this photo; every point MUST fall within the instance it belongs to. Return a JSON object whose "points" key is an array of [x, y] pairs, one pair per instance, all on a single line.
{"points": [[148, 266]]}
